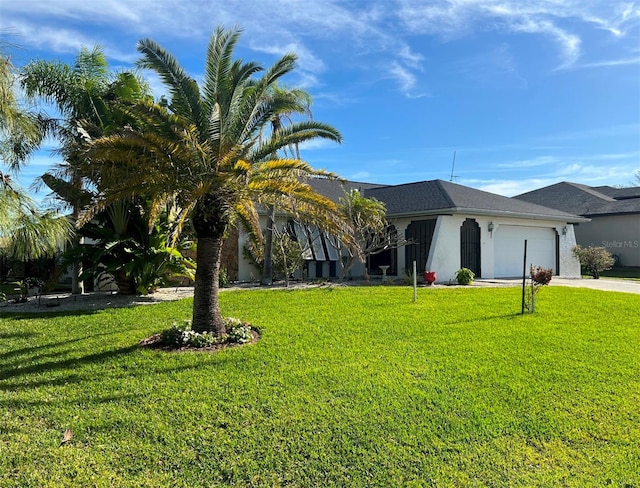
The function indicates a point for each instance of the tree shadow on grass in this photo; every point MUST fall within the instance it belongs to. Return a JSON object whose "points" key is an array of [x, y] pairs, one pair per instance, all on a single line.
{"points": [[49, 366], [16, 403], [488, 318], [17, 335], [25, 384], [34, 349], [16, 316]]}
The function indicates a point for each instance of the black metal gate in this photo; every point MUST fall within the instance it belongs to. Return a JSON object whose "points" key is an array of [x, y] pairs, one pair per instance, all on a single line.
{"points": [[420, 232], [470, 246]]}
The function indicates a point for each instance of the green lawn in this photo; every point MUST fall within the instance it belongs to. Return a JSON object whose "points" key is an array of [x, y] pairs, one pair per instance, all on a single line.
{"points": [[347, 387], [622, 272]]}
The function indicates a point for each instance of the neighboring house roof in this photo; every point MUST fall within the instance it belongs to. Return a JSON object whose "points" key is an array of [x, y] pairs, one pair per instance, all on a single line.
{"points": [[585, 200], [336, 189], [619, 193], [437, 196]]}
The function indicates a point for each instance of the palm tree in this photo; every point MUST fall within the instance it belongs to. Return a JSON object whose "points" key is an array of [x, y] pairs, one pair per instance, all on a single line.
{"points": [[25, 232], [300, 103], [83, 94], [205, 151]]}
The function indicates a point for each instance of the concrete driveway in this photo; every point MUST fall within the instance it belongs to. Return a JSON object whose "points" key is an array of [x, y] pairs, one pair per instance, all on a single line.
{"points": [[604, 284]]}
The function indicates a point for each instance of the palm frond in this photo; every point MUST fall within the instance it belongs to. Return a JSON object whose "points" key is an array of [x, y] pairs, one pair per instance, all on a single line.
{"points": [[66, 191], [218, 64], [184, 91], [53, 82], [246, 214], [34, 235], [295, 133]]}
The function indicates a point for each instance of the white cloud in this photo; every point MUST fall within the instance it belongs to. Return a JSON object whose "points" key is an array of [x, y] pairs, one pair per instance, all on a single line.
{"points": [[557, 20], [405, 79], [315, 144], [609, 63], [306, 59], [360, 176], [488, 65], [58, 40], [569, 43], [531, 163], [510, 188], [409, 57], [593, 175]]}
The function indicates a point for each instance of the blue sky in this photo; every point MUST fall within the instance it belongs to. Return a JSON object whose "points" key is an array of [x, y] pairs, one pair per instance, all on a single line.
{"points": [[527, 93]]}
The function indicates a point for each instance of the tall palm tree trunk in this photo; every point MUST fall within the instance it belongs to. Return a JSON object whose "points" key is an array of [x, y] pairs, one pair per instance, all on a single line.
{"points": [[267, 272], [77, 285], [206, 306]]}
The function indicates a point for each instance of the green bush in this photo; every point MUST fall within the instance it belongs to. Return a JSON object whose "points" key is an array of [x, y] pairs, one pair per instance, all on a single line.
{"points": [[465, 276], [223, 278], [238, 332], [184, 336], [593, 260]]}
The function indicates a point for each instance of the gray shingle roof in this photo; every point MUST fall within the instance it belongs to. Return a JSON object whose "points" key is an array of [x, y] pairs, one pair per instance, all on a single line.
{"points": [[585, 200], [438, 196], [619, 193], [334, 189]]}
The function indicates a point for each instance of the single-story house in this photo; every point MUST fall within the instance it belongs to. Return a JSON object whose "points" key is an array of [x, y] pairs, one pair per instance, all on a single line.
{"points": [[450, 226], [614, 215]]}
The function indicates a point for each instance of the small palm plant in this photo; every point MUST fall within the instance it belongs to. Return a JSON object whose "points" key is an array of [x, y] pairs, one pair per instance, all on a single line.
{"points": [[464, 276]]}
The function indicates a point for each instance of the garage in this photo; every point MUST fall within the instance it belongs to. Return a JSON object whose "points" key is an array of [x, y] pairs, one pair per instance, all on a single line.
{"points": [[509, 249]]}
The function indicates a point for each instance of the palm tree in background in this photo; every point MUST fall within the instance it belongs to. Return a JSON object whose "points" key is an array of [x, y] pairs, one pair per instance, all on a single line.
{"points": [[206, 152], [83, 94], [300, 103], [25, 232]]}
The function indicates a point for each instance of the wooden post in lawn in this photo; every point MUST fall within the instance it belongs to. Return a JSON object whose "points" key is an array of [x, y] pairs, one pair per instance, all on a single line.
{"points": [[524, 275], [415, 283]]}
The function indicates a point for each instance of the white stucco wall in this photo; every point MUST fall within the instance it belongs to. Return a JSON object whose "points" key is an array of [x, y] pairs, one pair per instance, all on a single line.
{"points": [[444, 256], [246, 270], [620, 234], [569, 264]]}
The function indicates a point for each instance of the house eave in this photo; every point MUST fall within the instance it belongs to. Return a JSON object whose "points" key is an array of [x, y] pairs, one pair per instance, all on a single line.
{"points": [[571, 219]]}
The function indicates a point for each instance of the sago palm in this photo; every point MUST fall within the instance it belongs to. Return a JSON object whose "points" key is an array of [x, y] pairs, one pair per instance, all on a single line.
{"points": [[206, 152]]}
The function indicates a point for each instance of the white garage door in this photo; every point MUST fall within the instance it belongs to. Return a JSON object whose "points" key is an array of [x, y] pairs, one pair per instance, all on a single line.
{"points": [[509, 249]]}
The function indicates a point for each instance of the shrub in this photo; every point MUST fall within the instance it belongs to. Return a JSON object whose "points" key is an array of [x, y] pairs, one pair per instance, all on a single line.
{"points": [[223, 277], [593, 260], [238, 332], [465, 276], [183, 335], [539, 277]]}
